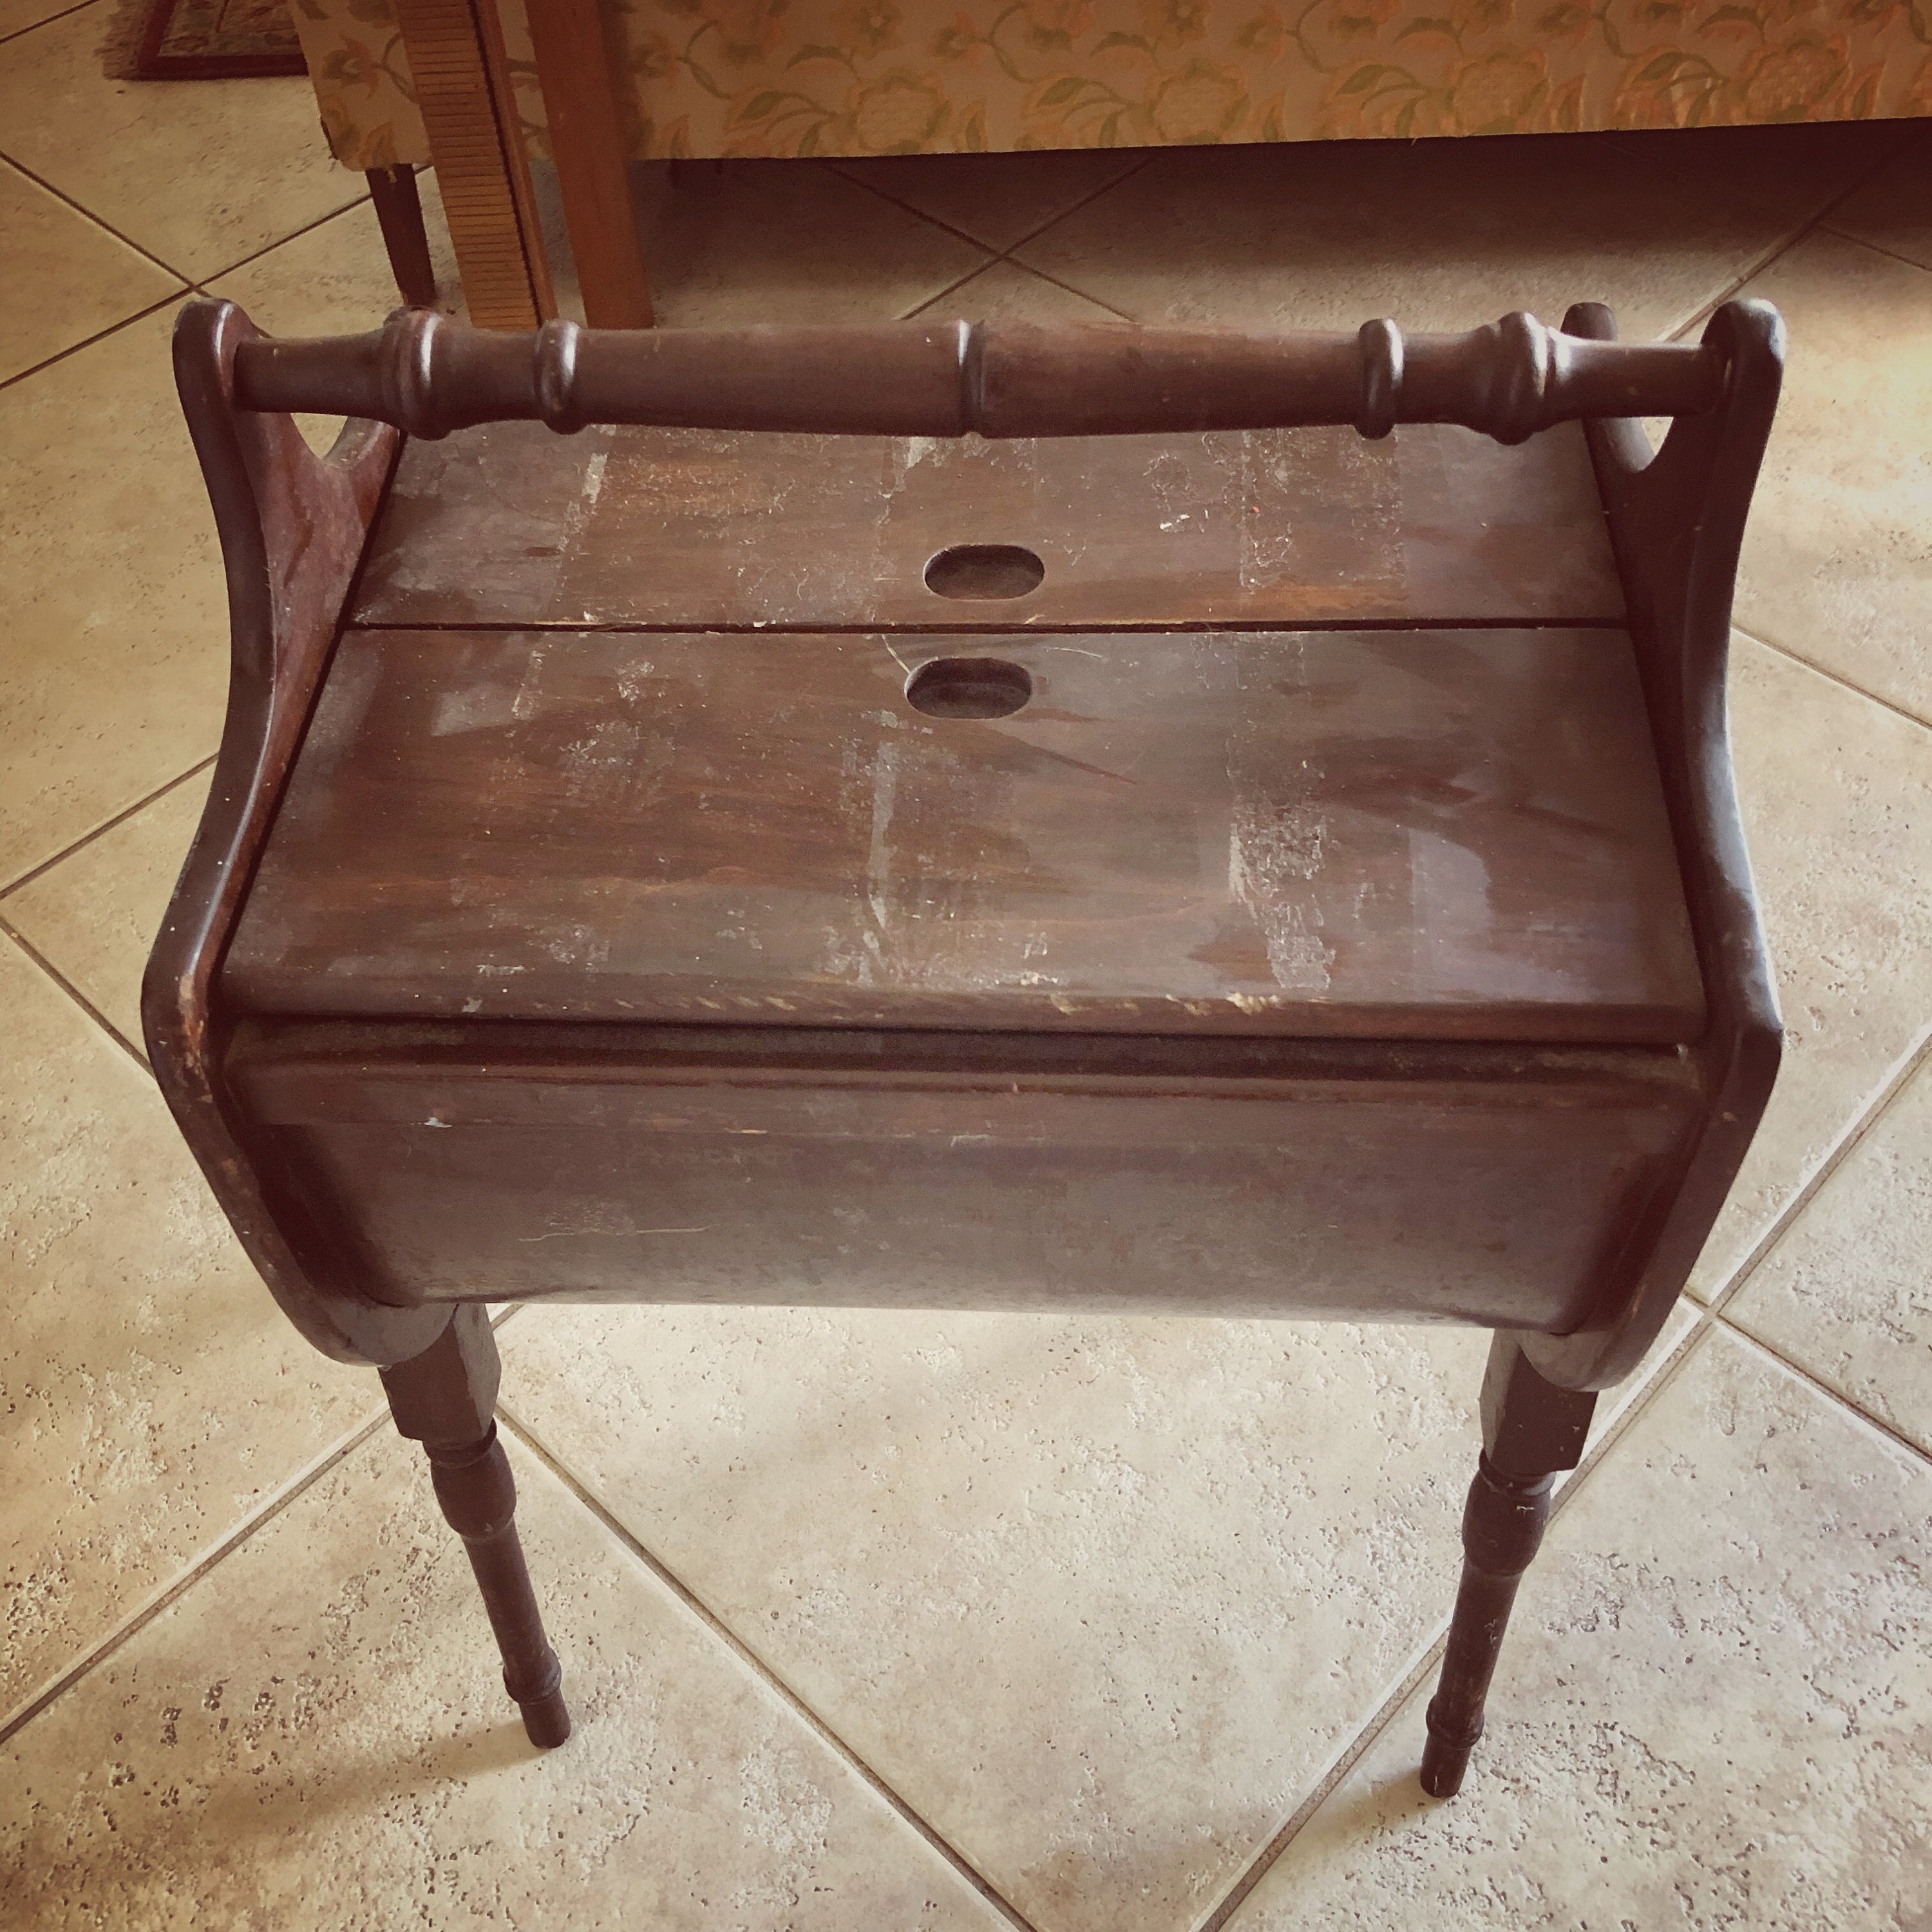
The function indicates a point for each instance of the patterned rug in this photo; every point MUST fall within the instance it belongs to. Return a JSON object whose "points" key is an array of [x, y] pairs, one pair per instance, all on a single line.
{"points": [[202, 40]]}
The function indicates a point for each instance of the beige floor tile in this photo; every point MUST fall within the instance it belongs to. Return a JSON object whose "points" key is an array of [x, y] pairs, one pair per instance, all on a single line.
{"points": [[998, 199], [199, 172], [16, 15], [316, 1736], [1711, 1709], [66, 278], [787, 241], [1438, 234], [1837, 559], [1847, 1293], [335, 278], [1098, 1598], [111, 602], [94, 915], [153, 1393], [1834, 790], [1893, 211]]}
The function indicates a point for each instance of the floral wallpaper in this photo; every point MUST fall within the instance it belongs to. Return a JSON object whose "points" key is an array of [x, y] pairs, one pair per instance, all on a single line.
{"points": [[802, 77]]}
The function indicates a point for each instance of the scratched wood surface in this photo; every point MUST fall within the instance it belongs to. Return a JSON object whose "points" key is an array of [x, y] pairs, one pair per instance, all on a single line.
{"points": [[1409, 1202], [1402, 834], [510, 526]]}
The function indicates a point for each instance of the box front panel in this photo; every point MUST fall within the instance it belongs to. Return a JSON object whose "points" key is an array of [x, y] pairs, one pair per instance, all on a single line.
{"points": [[1434, 1201]]}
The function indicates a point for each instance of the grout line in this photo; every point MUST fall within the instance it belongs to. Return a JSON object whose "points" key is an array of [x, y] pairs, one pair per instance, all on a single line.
{"points": [[138, 1620], [925, 302], [1147, 160], [1800, 1373], [1358, 1748], [41, 180], [1833, 1157], [105, 826], [100, 335], [79, 998], [1055, 281], [1835, 676], [1808, 227], [831, 164], [280, 240], [1703, 1323], [1877, 247], [762, 1671], [59, 13]]}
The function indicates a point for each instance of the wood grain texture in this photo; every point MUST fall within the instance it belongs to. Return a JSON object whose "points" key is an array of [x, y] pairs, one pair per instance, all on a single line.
{"points": [[1394, 834], [429, 376], [585, 112], [293, 528], [512, 526], [1478, 1184]]}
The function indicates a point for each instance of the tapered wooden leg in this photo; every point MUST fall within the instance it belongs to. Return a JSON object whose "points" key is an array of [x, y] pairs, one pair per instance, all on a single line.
{"points": [[445, 1399], [1532, 1429], [399, 211]]}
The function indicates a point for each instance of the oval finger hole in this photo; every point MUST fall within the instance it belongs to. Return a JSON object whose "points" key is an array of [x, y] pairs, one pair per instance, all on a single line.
{"points": [[969, 688], [984, 570]]}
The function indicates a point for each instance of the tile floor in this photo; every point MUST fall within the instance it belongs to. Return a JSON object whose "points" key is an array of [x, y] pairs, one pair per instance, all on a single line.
{"points": [[914, 1621]]}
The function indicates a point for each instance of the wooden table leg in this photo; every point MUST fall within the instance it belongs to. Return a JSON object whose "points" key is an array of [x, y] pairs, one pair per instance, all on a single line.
{"points": [[445, 1399], [399, 210], [1532, 1429], [587, 143]]}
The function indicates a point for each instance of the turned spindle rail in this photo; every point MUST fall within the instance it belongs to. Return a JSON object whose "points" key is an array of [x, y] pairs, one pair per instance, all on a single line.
{"points": [[428, 377]]}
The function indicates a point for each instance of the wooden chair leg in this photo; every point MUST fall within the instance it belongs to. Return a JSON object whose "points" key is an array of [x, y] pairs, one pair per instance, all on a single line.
{"points": [[399, 210], [1532, 1429], [445, 1399]]}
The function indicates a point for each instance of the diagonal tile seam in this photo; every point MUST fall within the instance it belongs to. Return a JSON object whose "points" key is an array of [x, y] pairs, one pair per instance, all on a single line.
{"points": [[1824, 1390], [1834, 1156], [9, 931], [1837, 677], [158, 1600], [190, 285], [47, 20], [962, 1866], [107, 824], [1820, 220], [1413, 1674], [191, 1572], [81, 208], [1032, 234]]}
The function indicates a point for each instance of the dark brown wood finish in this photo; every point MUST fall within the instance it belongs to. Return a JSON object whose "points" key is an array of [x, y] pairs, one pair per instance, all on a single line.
{"points": [[1531, 1431], [1205, 865], [1393, 835], [398, 206], [509, 526], [292, 527], [1508, 380], [1678, 521], [445, 1399]]}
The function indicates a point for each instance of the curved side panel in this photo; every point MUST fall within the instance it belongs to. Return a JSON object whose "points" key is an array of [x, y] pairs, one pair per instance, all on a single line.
{"points": [[292, 527], [1677, 523]]}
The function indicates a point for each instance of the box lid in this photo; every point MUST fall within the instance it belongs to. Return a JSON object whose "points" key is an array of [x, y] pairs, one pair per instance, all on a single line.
{"points": [[1452, 833]]}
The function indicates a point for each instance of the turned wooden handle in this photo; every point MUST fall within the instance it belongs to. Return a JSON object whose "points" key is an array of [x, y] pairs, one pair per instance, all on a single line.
{"points": [[428, 376]]}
